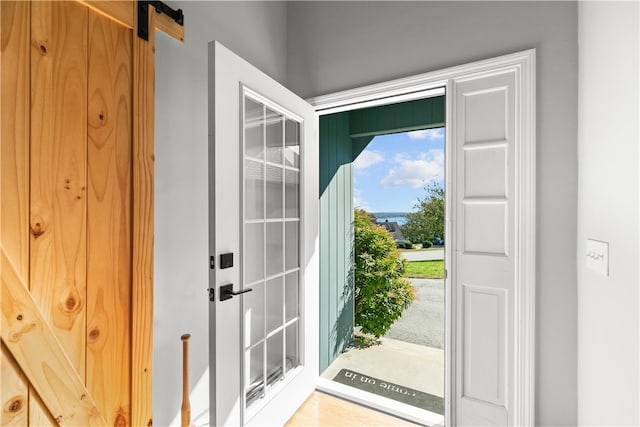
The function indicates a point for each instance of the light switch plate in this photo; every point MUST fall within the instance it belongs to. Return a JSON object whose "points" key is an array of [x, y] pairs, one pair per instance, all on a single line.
{"points": [[598, 256]]}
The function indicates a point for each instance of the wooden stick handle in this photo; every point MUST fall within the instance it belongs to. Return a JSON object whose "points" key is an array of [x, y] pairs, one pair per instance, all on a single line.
{"points": [[186, 404]]}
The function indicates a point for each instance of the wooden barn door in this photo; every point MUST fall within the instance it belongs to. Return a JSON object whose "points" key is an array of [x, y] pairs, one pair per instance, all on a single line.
{"points": [[76, 222]]}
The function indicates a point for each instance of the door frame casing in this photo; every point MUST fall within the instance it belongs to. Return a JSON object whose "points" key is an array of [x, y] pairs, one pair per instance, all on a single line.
{"points": [[427, 84]]}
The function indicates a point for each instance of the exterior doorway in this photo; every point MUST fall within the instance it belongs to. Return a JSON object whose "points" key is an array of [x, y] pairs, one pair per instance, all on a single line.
{"points": [[490, 219], [490, 227], [392, 364]]}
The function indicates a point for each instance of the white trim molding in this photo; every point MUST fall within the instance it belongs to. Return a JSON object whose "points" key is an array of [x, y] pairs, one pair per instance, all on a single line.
{"points": [[435, 83], [526, 243]]}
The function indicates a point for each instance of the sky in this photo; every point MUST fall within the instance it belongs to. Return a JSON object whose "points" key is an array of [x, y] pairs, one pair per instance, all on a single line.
{"points": [[392, 172]]}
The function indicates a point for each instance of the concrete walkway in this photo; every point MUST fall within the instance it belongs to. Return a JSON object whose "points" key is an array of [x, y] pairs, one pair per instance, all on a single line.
{"points": [[411, 354], [411, 365]]}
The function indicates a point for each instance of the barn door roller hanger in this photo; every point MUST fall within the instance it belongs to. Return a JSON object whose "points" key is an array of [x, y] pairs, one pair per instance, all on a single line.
{"points": [[160, 7]]}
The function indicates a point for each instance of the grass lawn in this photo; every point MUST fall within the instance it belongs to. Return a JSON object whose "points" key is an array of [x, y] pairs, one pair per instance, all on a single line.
{"points": [[425, 269]]}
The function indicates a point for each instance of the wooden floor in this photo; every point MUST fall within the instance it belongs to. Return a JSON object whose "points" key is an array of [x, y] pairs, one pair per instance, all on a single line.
{"points": [[320, 409]]}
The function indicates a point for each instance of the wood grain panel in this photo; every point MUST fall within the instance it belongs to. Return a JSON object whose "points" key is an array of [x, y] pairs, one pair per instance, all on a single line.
{"points": [[58, 177], [58, 170], [123, 13], [39, 415], [14, 182], [109, 217], [14, 391], [168, 26], [32, 342], [119, 11], [69, 195], [143, 164]]}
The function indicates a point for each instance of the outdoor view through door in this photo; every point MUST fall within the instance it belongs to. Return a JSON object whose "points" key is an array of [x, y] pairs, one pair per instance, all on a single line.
{"points": [[397, 351]]}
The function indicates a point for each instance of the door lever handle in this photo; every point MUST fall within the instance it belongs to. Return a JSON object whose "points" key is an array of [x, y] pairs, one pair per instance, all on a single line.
{"points": [[227, 292]]}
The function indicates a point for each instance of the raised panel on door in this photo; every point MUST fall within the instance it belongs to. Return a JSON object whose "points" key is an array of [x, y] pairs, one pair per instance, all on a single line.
{"points": [[484, 138], [483, 346]]}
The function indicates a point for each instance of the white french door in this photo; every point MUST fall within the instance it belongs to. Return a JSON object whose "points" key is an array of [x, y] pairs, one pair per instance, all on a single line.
{"points": [[264, 230]]}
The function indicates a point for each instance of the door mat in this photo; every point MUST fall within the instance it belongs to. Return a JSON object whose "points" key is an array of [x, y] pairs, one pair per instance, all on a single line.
{"points": [[390, 390]]}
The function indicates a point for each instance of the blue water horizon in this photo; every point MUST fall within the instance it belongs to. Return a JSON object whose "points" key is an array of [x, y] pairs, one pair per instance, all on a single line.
{"points": [[399, 217]]}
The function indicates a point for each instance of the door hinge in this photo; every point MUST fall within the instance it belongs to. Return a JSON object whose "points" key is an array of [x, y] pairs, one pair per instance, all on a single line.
{"points": [[212, 294], [160, 7], [446, 274], [212, 262]]}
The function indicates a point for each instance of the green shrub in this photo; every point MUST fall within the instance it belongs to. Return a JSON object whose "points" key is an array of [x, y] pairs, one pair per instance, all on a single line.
{"points": [[404, 244], [426, 244], [381, 293]]}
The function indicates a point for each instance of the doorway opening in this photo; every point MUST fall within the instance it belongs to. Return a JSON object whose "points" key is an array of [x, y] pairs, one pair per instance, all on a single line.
{"points": [[490, 182], [395, 149], [398, 196]]}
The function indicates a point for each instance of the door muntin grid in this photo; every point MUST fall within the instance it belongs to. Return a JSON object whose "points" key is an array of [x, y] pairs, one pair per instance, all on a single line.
{"points": [[271, 227]]}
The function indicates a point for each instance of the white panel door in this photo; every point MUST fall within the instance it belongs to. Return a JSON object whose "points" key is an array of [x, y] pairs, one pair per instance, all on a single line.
{"points": [[484, 138], [264, 240]]}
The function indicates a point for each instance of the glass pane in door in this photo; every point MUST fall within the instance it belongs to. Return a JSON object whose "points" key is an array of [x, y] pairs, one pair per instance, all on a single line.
{"points": [[275, 358], [292, 350], [291, 192], [254, 373], [275, 137], [292, 143], [253, 128], [270, 246], [274, 191], [274, 298]]}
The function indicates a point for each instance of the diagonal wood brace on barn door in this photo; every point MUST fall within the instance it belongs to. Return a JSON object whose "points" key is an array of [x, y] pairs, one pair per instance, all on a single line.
{"points": [[160, 8], [40, 355]]}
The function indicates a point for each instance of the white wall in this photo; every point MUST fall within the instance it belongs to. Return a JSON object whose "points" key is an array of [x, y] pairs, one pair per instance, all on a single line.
{"points": [[321, 47], [341, 45], [256, 31], [608, 138]]}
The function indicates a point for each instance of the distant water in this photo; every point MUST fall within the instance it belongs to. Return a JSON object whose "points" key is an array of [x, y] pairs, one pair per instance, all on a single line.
{"points": [[399, 217]]}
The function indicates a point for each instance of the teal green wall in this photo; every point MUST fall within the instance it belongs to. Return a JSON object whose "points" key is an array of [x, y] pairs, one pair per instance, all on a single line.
{"points": [[336, 214], [343, 136], [394, 118]]}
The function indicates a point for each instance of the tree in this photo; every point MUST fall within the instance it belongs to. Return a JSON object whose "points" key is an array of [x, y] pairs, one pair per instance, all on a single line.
{"points": [[381, 293], [428, 222]]}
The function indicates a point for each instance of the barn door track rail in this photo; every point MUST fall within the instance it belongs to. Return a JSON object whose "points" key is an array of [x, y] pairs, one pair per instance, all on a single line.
{"points": [[161, 8]]}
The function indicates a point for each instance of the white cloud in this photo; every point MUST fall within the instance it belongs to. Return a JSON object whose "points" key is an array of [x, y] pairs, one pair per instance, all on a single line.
{"points": [[430, 134], [367, 158], [359, 202], [415, 172]]}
